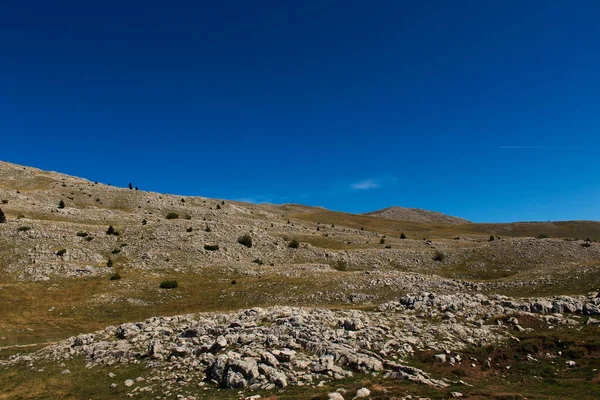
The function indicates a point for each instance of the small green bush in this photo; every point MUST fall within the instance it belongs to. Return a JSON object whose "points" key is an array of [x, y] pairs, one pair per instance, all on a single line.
{"points": [[294, 244], [24, 228], [61, 252], [112, 231], [169, 284], [211, 247], [172, 215], [340, 265], [115, 276], [492, 238], [543, 236], [245, 240], [439, 256]]}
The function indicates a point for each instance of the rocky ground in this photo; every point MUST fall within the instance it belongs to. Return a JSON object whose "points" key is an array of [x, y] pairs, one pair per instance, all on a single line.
{"points": [[307, 305]]}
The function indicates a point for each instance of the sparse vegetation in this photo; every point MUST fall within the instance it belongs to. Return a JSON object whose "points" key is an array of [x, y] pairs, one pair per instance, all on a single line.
{"points": [[2, 217], [116, 251], [439, 256], [207, 229], [170, 284], [144, 221], [115, 276], [245, 240], [172, 215], [340, 265], [211, 247], [82, 234], [492, 238], [112, 231], [61, 252], [258, 261], [109, 263], [61, 204], [190, 229], [24, 228], [294, 244], [543, 236], [382, 241], [402, 236]]}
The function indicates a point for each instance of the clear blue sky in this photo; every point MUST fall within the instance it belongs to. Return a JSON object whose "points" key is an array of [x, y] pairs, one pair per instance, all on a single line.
{"points": [[489, 110]]}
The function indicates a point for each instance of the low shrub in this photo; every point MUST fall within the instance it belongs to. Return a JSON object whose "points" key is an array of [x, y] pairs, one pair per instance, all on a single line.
{"points": [[82, 234], [543, 236], [211, 247], [294, 244], [402, 236], [169, 284], [172, 215], [61, 204], [382, 241], [245, 240], [189, 229], [439, 256], [112, 231], [340, 265], [61, 252], [258, 261], [115, 276], [116, 251], [23, 228], [492, 238], [207, 229]]}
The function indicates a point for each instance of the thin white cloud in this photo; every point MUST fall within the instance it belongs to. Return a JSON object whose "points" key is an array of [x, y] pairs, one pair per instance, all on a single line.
{"points": [[366, 184]]}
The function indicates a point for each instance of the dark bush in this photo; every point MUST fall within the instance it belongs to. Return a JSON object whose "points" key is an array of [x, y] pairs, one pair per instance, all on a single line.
{"points": [[188, 217], [82, 234], [218, 206], [172, 215], [112, 231], [586, 244], [233, 282], [2, 216], [115, 277], [258, 261], [543, 236], [130, 186], [169, 285], [294, 244], [189, 229], [144, 221], [211, 247], [116, 251], [492, 238], [61, 204], [245, 240], [4, 201], [24, 228], [89, 238], [388, 247], [439, 256], [382, 241], [61, 252], [109, 263], [402, 236], [340, 265], [207, 229]]}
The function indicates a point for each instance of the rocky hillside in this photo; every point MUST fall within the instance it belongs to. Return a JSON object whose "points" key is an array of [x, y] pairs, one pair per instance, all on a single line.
{"points": [[278, 301], [416, 215]]}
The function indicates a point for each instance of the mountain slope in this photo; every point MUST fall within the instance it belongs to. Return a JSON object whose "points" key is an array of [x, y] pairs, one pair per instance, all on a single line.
{"points": [[415, 215]]}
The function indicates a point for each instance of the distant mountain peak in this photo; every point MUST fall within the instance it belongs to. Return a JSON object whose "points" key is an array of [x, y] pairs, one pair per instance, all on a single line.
{"points": [[415, 215]]}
